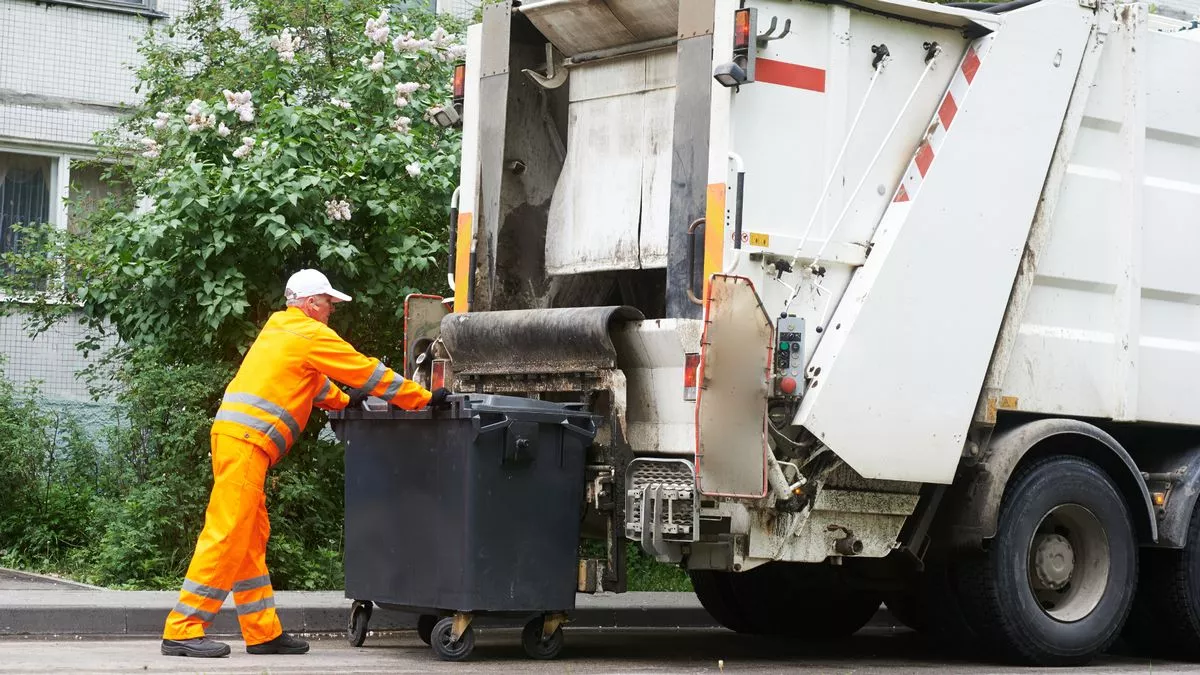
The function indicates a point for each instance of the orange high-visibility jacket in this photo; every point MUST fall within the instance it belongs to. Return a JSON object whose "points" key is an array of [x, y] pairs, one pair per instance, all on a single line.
{"points": [[288, 370]]}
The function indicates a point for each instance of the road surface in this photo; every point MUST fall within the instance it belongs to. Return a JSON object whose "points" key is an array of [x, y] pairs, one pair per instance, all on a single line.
{"points": [[588, 651]]}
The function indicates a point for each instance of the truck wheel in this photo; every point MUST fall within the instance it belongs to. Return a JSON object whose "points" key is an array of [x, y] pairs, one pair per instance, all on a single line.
{"points": [[764, 601], [1057, 582], [425, 624], [1165, 620]]}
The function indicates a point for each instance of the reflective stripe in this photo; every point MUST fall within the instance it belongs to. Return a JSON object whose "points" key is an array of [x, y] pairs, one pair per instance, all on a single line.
{"points": [[376, 376], [257, 424], [256, 606], [324, 394], [204, 591], [188, 610], [393, 388], [269, 408], [251, 584]]}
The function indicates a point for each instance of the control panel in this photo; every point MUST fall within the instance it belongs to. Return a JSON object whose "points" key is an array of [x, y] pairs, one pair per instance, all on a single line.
{"points": [[789, 355]]}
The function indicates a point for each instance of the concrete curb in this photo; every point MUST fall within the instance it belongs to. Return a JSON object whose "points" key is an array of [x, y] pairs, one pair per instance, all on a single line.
{"points": [[141, 613]]}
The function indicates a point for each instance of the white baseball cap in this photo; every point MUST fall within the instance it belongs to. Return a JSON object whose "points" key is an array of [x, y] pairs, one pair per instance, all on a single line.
{"points": [[311, 282]]}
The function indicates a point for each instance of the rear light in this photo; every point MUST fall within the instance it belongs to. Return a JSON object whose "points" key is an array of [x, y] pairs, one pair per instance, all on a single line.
{"points": [[741, 28], [460, 82], [437, 375], [740, 70], [691, 376]]}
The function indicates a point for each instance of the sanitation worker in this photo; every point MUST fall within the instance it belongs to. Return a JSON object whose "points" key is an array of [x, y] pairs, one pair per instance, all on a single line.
{"points": [[290, 368]]}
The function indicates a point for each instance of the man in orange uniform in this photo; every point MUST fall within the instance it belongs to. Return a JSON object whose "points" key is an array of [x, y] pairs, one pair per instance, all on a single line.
{"points": [[287, 370]]}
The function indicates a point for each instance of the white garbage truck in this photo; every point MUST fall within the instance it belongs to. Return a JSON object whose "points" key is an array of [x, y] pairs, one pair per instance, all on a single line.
{"points": [[878, 300]]}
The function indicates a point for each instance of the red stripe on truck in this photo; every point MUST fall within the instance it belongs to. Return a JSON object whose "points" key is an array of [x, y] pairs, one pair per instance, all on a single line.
{"points": [[970, 65], [948, 110], [789, 75]]}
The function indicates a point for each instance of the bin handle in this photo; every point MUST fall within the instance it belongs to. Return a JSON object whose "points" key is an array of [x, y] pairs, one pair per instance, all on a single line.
{"points": [[494, 426], [588, 433]]}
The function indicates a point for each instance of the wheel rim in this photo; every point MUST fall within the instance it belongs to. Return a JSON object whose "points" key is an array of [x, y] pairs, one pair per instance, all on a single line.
{"points": [[1068, 563]]}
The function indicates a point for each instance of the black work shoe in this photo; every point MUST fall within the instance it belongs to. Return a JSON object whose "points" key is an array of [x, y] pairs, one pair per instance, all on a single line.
{"points": [[284, 644], [201, 647]]}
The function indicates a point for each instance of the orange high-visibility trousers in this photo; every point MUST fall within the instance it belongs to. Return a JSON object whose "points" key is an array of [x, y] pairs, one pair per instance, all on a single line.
{"points": [[231, 554]]}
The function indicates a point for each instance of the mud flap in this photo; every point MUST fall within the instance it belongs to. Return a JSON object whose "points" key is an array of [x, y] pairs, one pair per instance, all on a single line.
{"points": [[566, 340], [731, 412]]}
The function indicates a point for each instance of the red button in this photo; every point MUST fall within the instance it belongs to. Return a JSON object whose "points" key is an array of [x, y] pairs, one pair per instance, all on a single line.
{"points": [[788, 385]]}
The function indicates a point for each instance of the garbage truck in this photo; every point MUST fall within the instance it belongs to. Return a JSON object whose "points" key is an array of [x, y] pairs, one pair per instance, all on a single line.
{"points": [[876, 301]]}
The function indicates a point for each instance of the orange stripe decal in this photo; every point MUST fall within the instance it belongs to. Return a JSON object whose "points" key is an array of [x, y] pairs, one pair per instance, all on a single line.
{"points": [[714, 233], [462, 263]]}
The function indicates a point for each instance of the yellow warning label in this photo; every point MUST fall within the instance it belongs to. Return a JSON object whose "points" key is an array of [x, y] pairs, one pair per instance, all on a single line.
{"points": [[757, 239], [1008, 403]]}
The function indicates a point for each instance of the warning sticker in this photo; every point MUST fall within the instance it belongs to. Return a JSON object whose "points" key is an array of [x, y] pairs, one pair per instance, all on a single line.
{"points": [[757, 239]]}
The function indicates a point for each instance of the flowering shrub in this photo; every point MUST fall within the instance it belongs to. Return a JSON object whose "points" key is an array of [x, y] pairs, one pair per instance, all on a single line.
{"points": [[303, 141]]}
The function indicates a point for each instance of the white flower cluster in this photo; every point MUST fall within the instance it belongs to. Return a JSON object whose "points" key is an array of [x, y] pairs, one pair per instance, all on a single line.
{"points": [[413, 169], [196, 119], [160, 120], [376, 63], [285, 45], [403, 89], [345, 105], [244, 148], [152, 149], [409, 43], [222, 130], [337, 209], [401, 124], [377, 29], [242, 103]]}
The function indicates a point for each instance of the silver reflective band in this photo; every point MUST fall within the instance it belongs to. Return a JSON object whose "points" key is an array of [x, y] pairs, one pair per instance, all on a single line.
{"points": [[324, 394], [188, 610], [204, 591], [269, 408], [256, 606], [256, 424], [251, 584], [376, 376], [393, 388]]}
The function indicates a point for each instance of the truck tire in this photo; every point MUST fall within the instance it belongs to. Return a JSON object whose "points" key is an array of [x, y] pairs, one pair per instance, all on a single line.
{"points": [[1057, 582], [1165, 620], [786, 599], [931, 607]]}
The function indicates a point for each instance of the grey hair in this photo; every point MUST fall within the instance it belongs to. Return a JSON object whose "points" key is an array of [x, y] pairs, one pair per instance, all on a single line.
{"points": [[292, 300]]}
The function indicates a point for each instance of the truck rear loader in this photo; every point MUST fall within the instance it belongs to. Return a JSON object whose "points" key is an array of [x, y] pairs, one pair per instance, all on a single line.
{"points": [[877, 300]]}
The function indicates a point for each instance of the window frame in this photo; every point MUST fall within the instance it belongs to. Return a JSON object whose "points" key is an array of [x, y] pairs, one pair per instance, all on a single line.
{"points": [[144, 8]]}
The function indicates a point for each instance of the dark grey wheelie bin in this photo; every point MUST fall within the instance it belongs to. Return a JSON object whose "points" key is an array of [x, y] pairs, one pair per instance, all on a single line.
{"points": [[467, 511]]}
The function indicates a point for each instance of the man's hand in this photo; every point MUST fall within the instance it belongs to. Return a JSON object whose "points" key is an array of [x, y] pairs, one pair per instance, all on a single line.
{"points": [[357, 396], [438, 400]]}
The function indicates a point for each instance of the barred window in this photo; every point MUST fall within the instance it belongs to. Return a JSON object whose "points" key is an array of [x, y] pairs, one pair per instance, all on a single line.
{"points": [[25, 182]]}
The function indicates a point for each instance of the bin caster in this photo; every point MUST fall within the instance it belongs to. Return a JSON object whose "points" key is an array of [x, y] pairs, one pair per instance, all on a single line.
{"points": [[542, 637], [360, 616], [443, 642], [425, 624]]}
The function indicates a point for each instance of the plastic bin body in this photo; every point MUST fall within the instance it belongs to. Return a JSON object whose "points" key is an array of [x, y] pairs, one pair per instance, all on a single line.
{"points": [[475, 509]]}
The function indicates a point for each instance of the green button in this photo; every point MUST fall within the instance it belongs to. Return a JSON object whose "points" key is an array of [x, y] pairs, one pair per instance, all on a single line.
{"points": [[783, 346]]}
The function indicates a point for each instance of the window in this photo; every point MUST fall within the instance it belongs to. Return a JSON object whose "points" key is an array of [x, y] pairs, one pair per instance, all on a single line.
{"points": [[88, 189], [25, 182]]}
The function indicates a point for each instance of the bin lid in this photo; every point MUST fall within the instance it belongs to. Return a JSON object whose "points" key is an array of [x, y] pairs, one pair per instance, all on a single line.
{"points": [[495, 403]]}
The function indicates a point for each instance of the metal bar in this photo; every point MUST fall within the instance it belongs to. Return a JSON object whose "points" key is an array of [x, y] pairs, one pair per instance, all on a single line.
{"points": [[622, 50]]}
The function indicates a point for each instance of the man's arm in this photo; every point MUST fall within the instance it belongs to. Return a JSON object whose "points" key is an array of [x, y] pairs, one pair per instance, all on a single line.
{"points": [[331, 397], [334, 357]]}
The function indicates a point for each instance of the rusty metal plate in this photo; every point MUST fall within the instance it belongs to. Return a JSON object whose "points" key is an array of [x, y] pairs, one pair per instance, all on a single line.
{"points": [[731, 413]]}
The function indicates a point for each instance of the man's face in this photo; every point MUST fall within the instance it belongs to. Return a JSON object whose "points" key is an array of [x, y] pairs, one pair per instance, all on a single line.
{"points": [[318, 307]]}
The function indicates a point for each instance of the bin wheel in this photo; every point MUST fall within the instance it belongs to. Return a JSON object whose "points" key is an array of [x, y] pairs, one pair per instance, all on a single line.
{"points": [[360, 616], [425, 624], [537, 646], [445, 648]]}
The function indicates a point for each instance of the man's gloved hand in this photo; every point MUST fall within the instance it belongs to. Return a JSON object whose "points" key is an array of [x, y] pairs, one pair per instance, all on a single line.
{"points": [[439, 398], [357, 396]]}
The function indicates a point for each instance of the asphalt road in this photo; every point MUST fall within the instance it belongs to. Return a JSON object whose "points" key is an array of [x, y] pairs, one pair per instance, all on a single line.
{"points": [[588, 651]]}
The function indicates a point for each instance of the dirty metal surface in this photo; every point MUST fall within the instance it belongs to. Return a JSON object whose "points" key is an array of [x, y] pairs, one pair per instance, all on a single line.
{"points": [[574, 339]]}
